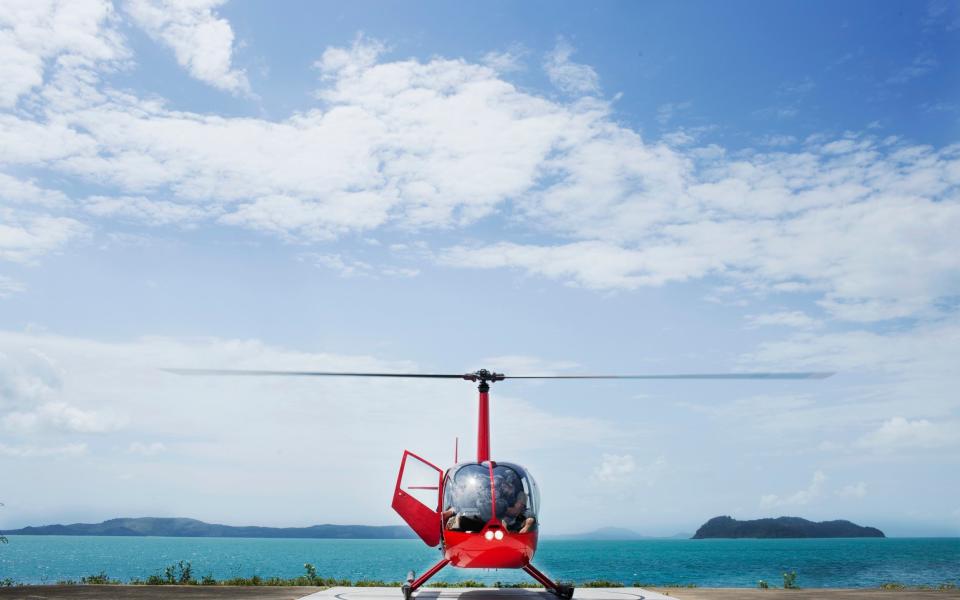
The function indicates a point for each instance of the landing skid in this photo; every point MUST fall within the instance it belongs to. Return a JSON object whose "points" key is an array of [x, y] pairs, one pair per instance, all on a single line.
{"points": [[560, 590], [412, 585]]}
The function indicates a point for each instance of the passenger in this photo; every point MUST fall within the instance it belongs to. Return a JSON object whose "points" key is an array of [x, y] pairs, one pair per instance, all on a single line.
{"points": [[449, 518], [518, 517]]}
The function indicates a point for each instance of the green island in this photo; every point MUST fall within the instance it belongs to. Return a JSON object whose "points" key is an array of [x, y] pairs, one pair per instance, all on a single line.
{"points": [[783, 527]]}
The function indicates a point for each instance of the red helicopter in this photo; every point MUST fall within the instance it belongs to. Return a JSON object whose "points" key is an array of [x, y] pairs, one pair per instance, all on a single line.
{"points": [[483, 513]]}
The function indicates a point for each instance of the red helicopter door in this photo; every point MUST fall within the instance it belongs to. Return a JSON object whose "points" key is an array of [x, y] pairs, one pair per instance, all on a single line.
{"points": [[417, 496]]}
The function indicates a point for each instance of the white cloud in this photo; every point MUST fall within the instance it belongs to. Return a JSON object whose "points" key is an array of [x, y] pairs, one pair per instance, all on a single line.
{"points": [[344, 267], [593, 264], [777, 140], [572, 78], [9, 286], [30, 451], [866, 225], [614, 467], [62, 417], [882, 376], [899, 433], [869, 228], [800, 498], [240, 430], [924, 352], [144, 449], [508, 61], [201, 41], [623, 470], [853, 490], [791, 318], [922, 64], [25, 237], [404, 272], [666, 112], [14, 191], [141, 209], [518, 364], [347, 267], [34, 34]]}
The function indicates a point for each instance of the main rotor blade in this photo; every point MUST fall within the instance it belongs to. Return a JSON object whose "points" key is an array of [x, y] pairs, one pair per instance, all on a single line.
{"points": [[474, 376], [308, 373], [799, 375]]}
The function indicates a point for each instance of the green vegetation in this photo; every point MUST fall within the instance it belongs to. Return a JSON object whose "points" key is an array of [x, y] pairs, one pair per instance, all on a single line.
{"points": [[782, 527], [896, 586], [790, 581], [601, 583], [181, 573]]}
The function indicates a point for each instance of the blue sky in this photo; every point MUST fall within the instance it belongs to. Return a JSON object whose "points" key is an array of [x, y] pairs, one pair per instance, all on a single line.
{"points": [[539, 188]]}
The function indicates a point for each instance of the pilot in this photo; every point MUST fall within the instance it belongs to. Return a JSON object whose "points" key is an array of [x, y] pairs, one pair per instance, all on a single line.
{"points": [[518, 516], [467, 503]]}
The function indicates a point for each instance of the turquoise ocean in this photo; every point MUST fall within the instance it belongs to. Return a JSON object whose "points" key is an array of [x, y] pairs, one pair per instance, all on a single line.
{"points": [[864, 562]]}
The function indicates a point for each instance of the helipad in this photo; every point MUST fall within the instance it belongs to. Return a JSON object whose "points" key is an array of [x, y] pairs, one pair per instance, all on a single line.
{"points": [[427, 593]]}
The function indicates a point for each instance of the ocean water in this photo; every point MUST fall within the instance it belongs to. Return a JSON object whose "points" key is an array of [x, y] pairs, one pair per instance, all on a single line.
{"points": [[864, 562]]}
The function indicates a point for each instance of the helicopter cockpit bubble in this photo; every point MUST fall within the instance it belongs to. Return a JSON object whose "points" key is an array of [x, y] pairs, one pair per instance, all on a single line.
{"points": [[471, 502]]}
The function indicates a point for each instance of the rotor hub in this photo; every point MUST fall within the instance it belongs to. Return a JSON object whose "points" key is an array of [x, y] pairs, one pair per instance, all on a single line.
{"points": [[483, 376]]}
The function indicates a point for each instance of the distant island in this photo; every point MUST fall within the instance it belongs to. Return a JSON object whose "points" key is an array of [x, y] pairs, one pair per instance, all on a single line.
{"points": [[171, 527], [717, 527], [165, 527], [782, 527]]}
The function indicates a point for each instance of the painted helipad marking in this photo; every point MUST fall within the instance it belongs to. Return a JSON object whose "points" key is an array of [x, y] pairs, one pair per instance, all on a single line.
{"points": [[428, 593]]}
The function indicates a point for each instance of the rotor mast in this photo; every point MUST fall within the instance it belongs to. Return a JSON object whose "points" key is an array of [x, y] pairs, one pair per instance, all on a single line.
{"points": [[483, 416]]}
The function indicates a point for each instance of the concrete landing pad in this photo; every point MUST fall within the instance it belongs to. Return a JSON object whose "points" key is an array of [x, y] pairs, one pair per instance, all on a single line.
{"points": [[428, 593]]}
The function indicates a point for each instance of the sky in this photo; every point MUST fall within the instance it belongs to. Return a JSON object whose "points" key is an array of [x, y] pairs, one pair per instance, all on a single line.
{"points": [[536, 188]]}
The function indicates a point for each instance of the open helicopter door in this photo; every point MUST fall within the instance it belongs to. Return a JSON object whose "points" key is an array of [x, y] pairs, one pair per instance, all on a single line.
{"points": [[417, 496]]}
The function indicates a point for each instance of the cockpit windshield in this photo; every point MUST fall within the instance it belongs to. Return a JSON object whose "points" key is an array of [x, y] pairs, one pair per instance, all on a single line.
{"points": [[467, 497], [474, 493]]}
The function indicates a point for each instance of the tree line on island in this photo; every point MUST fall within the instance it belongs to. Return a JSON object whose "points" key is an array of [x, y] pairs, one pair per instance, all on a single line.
{"points": [[782, 527], [717, 527]]}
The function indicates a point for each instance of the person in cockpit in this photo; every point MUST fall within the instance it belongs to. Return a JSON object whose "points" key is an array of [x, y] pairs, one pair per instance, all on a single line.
{"points": [[518, 516]]}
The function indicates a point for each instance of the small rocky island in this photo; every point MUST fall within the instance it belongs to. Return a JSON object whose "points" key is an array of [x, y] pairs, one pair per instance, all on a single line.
{"points": [[782, 527]]}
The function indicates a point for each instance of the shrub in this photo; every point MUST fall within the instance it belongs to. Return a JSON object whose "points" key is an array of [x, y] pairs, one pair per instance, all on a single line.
{"points": [[601, 583], [100, 578], [892, 585], [181, 572], [790, 581]]}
